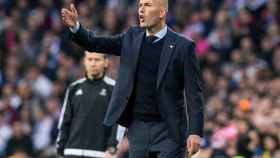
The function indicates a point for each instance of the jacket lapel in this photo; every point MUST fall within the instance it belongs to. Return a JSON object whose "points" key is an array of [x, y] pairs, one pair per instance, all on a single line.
{"points": [[136, 48], [167, 49]]}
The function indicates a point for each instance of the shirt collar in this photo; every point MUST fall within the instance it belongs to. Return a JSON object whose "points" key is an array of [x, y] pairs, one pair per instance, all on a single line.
{"points": [[160, 34]]}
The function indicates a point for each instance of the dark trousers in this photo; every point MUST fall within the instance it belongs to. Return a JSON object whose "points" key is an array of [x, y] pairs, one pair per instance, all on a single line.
{"points": [[150, 140]]}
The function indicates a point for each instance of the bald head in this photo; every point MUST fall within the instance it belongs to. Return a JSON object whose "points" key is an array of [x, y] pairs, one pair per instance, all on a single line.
{"points": [[152, 14], [164, 3]]}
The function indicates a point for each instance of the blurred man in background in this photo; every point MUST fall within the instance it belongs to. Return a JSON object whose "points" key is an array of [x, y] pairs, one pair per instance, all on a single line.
{"points": [[81, 132]]}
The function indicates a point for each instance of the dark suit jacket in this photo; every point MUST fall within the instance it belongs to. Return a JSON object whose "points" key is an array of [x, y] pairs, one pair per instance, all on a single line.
{"points": [[179, 84]]}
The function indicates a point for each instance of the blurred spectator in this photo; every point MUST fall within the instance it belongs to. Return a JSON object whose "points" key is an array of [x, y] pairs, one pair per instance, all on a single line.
{"points": [[19, 154], [40, 84], [5, 133], [42, 128], [19, 140]]}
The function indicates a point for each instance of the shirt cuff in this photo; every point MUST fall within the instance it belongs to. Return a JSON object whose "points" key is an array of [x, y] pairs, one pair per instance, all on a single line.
{"points": [[76, 28]]}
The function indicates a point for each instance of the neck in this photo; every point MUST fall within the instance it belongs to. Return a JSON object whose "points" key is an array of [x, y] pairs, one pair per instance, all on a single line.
{"points": [[92, 77], [154, 29]]}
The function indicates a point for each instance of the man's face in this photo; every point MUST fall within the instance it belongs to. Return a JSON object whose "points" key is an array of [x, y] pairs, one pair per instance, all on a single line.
{"points": [[95, 64], [150, 12]]}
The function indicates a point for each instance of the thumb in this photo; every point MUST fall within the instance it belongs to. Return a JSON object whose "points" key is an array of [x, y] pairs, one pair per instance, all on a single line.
{"points": [[190, 148], [190, 152], [188, 144]]}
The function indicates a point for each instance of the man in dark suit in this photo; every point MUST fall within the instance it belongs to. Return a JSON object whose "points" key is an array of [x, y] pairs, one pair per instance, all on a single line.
{"points": [[158, 95]]}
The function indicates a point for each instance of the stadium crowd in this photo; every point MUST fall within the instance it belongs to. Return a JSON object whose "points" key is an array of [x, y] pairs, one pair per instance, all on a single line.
{"points": [[237, 41]]}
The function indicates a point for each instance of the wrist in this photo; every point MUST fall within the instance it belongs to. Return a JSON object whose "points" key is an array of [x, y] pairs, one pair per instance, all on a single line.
{"points": [[75, 28]]}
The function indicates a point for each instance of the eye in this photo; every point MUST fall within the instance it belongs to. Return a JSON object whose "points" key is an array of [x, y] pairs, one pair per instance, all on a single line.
{"points": [[148, 4], [97, 60]]}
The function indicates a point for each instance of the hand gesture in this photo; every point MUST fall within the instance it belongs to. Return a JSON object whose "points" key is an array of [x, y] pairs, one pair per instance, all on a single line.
{"points": [[69, 16]]}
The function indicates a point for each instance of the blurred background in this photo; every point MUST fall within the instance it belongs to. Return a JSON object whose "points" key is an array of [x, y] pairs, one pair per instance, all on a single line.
{"points": [[237, 41]]}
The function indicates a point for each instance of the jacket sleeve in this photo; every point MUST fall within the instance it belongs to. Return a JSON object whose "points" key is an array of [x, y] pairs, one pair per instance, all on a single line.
{"points": [[108, 45], [112, 141], [64, 123], [193, 91]]}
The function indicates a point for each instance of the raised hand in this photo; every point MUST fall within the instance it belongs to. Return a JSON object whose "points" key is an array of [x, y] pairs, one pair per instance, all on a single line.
{"points": [[69, 16]]}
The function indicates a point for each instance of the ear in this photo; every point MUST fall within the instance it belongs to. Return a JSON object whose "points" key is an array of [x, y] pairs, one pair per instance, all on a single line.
{"points": [[163, 12], [106, 62]]}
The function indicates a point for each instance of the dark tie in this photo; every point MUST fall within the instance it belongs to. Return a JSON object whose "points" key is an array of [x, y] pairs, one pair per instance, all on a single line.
{"points": [[151, 39]]}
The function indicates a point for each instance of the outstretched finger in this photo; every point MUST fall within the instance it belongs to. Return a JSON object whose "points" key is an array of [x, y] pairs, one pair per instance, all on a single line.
{"points": [[73, 9]]}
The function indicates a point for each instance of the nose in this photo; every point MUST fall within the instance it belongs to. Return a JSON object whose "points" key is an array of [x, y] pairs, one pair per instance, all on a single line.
{"points": [[93, 63]]}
